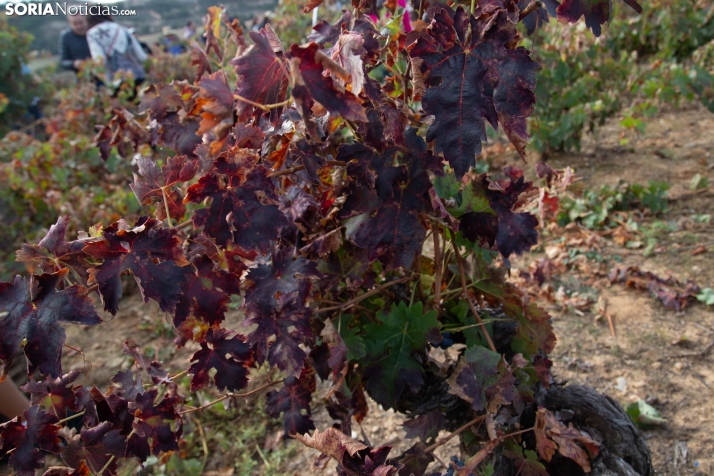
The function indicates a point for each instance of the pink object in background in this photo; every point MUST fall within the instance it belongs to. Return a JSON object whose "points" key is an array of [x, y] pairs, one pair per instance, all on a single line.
{"points": [[407, 22]]}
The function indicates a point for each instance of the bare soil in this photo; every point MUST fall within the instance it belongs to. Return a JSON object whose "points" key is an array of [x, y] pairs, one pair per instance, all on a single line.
{"points": [[658, 355]]}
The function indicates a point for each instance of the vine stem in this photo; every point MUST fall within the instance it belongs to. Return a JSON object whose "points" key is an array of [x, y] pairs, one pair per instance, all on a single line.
{"points": [[465, 290], [437, 266], [183, 225], [364, 296], [92, 288], [264, 107], [76, 415], [456, 432], [178, 375], [226, 396], [99, 473], [478, 458], [298, 168], [533, 6], [166, 206], [204, 443]]}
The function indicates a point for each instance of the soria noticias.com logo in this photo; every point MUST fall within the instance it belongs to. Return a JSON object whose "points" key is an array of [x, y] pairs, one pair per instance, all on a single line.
{"points": [[64, 8]]}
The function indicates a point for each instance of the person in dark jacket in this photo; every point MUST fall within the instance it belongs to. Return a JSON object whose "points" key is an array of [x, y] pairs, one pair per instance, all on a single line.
{"points": [[73, 46], [144, 46]]}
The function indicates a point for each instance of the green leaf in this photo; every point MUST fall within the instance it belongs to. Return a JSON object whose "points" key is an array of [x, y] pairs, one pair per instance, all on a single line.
{"points": [[447, 186], [471, 199], [472, 334], [483, 379], [644, 414], [390, 344], [698, 182], [354, 343], [706, 296]]}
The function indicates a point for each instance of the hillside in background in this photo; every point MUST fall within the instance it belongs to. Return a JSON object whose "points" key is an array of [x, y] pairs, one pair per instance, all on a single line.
{"points": [[152, 16]]}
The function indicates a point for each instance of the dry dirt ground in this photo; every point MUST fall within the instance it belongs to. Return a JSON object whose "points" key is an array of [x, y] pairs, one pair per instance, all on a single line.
{"points": [[656, 354]]}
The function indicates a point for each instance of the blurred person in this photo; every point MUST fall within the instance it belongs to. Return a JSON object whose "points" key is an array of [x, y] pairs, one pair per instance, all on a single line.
{"points": [[73, 46], [33, 108], [12, 401], [144, 46], [189, 31], [118, 49], [171, 42]]}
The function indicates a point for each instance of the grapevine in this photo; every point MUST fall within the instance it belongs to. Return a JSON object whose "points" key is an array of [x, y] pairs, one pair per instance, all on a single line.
{"points": [[345, 214]]}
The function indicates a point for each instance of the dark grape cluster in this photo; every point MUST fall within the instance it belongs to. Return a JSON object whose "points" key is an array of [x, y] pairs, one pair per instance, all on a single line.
{"points": [[446, 341], [455, 464]]}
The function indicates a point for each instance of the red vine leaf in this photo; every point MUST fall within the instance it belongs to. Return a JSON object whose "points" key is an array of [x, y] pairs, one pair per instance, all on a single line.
{"points": [[206, 293], [33, 318], [152, 427], [151, 367], [280, 333], [545, 446], [231, 359], [200, 60], [153, 183], [475, 74], [153, 254], [159, 100], [243, 204], [27, 441], [355, 458], [425, 426], [344, 267], [308, 68], [348, 52], [81, 470], [511, 232], [283, 277], [596, 12], [483, 379], [213, 31], [293, 401], [535, 20], [385, 201], [54, 394], [130, 387], [311, 5], [262, 74], [338, 348], [326, 35], [569, 439], [94, 446], [215, 99], [53, 253]]}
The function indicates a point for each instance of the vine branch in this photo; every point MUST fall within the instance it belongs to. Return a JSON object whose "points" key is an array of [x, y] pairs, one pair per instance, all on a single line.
{"points": [[101, 471], [76, 415], [166, 206], [465, 290], [227, 396], [437, 268], [456, 432], [298, 168], [479, 457], [364, 296], [533, 6], [264, 107]]}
